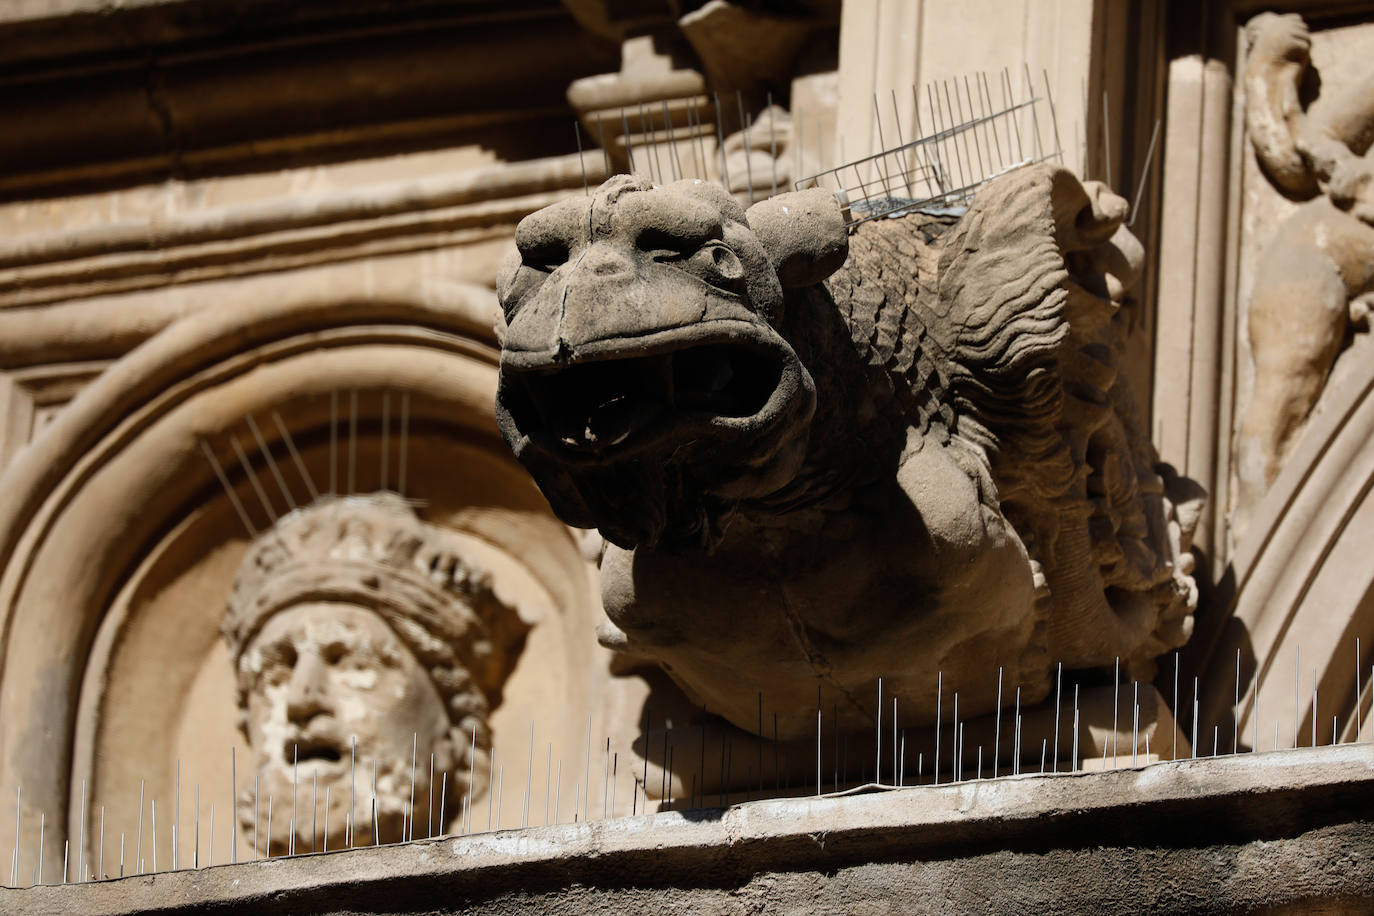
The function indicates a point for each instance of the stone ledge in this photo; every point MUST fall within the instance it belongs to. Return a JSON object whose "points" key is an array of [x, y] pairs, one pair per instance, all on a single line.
{"points": [[1279, 830]]}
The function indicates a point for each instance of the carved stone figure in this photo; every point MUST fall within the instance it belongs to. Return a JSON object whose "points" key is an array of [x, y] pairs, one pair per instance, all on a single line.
{"points": [[353, 620], [1316, 274], [821, 458]]}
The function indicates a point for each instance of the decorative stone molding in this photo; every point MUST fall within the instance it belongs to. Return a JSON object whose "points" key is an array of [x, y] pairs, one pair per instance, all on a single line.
{"points": [[121, 474], [1304, 588]]}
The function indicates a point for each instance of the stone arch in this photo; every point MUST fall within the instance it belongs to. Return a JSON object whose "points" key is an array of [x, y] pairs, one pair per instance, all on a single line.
{"points": [[1303, 580], [117, 541]]}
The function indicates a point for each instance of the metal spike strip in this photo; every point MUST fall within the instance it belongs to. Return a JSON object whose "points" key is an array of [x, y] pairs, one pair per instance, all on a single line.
{"points": [[957, 773]]}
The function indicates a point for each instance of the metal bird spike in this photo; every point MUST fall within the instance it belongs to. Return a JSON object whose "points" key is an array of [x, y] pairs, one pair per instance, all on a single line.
{"points": [[629, 148], [529, 774], [229, 490], [414, 752], [1054, 117], [1297, 704], [295, 455], [748, 164], [1116, 706], [18, 817], [1035, 117], [333, 442], [1008, 94], [772, 145], [81, 847], [253, 479], [901, 142], [1058, 690], [352, 440], [972, 121], [233, 804], [1174, 708], [720, 143], [878, 764], [648, 162], [1144, 175], [138, 846], [646, 122], [605, 152], [1235, 710], [443, 807], [699, 136], [985, 99], [383, 474], [939, 691], [1135, 722], [291, 824], [1073, 766], [1106, 139], [587, 769], [1359, 699], [997, 729], [671, 131], [581, 161], [271, 462]]}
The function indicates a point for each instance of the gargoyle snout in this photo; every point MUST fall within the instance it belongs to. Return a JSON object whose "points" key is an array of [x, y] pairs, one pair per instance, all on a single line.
{"points": [[607, 261]]}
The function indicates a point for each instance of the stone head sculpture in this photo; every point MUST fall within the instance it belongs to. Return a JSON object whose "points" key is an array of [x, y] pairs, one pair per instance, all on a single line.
{"points": [[354, 621], [643, 372], [824, 454]]}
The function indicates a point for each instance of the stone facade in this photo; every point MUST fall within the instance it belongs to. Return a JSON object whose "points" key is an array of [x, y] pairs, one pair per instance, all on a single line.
{"points": [[270, 270]]}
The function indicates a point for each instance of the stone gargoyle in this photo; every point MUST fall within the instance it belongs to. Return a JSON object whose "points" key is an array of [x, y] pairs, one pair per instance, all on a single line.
{"points": [[822, 454]]}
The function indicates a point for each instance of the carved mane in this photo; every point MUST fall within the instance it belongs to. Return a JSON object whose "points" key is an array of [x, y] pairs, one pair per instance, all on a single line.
{"points": [[994, 341]]}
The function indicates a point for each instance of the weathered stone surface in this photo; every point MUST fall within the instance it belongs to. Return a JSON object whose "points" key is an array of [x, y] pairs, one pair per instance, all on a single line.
{"points": [[1282, 832], [925, 464]]}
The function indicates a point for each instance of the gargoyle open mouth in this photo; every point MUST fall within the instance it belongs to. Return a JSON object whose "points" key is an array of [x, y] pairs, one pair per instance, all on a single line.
{"points": [[624, 403]]}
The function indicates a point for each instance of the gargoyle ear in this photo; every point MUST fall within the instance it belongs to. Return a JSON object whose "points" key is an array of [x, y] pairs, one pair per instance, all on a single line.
{"points": [[803, 233]]}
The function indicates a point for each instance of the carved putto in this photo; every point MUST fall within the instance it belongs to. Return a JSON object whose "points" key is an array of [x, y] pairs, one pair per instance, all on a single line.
{"points": [[354, 621], [1314, 280], [823, 457]]}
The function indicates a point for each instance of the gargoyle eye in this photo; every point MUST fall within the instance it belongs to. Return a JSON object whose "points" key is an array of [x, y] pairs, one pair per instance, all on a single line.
{"points": [[547, 257], [664, 246]]}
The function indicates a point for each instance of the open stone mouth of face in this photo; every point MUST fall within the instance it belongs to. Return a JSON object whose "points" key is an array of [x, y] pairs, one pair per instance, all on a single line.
{"points": [[314, 750], [619, 403]]}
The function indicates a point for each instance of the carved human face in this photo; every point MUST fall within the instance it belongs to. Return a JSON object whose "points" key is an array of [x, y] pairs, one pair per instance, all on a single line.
{"points": [[324, 674]]}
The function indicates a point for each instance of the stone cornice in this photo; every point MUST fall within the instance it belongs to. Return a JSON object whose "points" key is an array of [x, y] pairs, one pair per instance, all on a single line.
{"points": [[293, 232], [1238, 832], [102, 94]]}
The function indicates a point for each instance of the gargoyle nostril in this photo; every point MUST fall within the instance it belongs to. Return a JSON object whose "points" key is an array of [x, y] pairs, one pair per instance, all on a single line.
{"points": [[606, 264]]}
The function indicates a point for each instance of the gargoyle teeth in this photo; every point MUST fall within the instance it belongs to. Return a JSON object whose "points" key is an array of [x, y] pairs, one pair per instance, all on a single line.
{"points": [[595, 406]]}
